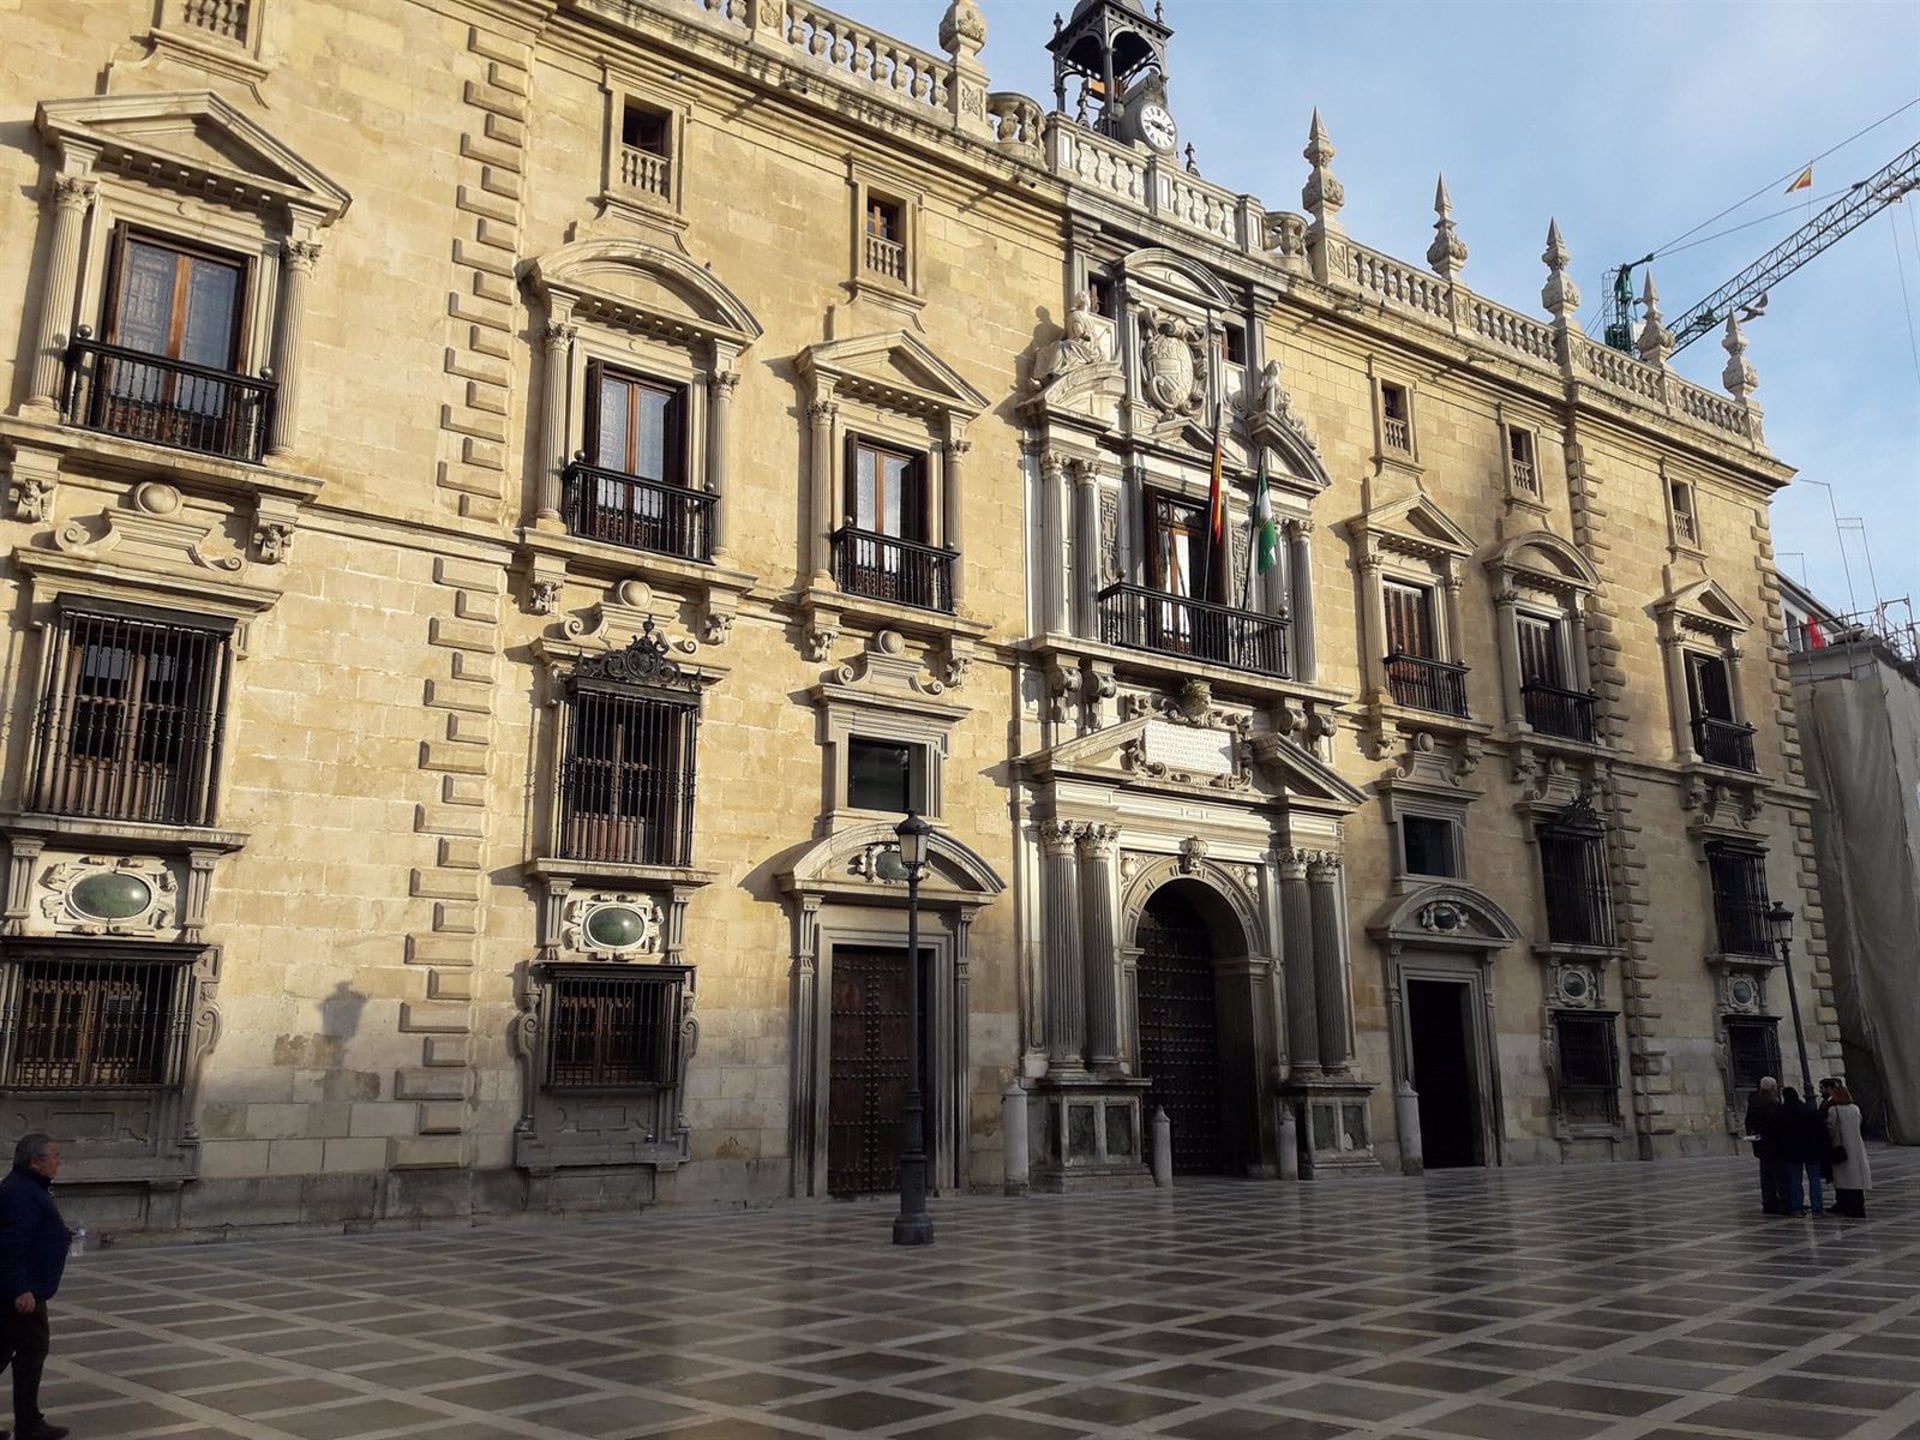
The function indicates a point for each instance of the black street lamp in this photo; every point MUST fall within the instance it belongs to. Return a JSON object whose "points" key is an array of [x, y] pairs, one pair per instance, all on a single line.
{"points": [[1781, 919], [913, 1226]]}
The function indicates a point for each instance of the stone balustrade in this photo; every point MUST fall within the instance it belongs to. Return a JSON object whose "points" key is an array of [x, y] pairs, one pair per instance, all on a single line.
{"points": [[1015, 119]]}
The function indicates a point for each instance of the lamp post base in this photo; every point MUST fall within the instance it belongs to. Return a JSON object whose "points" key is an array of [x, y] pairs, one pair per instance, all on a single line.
{"points": [[913, 1230]]}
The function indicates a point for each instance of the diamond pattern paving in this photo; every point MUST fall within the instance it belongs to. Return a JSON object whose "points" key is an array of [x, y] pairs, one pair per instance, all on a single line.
{"points": [[1628, 1302]]}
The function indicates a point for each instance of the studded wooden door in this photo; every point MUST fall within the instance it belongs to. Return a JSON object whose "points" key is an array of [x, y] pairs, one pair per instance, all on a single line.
{"points": [[1179, 1036], [867, 1071]]}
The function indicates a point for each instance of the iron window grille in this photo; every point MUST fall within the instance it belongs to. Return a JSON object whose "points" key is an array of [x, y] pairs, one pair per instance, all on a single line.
{"points": [[1589, 1068], [91, 1022], [628, 750], [1753, 1050], [614, 1027], [1573, 872], [131, 721], [1740, 904]]}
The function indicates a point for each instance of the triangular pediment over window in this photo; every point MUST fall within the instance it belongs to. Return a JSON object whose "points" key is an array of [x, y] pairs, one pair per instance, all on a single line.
{"points": [[895, 368], [1706, 605], [1157, 753], [639, 286], [1415, 526], [189, 140]]}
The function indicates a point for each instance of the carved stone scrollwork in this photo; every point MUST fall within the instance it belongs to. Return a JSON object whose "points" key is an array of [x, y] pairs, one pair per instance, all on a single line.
{"points": [[1109, 539], [31, 496], [819, 640], [272, 540], [1193, 851], [1057, 835], [1063, 689], [717, 627]]}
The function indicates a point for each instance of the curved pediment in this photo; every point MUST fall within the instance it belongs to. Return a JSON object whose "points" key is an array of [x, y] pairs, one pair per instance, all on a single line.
{"points": [[1707, 605], [189, 140], [1448, 917], [1542, 558], [641, 286], [845, 865], [1174, 275], [895, 368]]}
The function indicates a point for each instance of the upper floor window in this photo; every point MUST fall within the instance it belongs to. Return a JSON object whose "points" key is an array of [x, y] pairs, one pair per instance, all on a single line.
{"points": [[83, 1022], [1429, 845], [886, 238], [166, 368], [882, 551], [130, 719], [1417, 675], [1177, 536], [888, 775], [1686, 528], [1573, 873], [631, 487], [1718, 736], [1739, 880], [1100, 295], [1236, 345], [1521, 469], [1550, 698], [1396, 417], [646, 149], [627, 758]]}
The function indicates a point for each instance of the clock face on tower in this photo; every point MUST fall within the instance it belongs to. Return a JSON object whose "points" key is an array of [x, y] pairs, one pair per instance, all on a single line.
{"points": [[1157, 127]]}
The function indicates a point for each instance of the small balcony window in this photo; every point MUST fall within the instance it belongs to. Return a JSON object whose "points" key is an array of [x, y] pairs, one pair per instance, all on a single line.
{"points": [[1396, 418], [1416, 675], [1552, 705], [166, 369], [886, 239], [1719, 738], [1520, 464], [1680, 500], [882, 552], [613, 1026], [646, 161], [628, 487]]}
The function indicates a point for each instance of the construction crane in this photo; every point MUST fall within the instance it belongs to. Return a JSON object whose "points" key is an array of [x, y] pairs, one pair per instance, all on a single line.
{"points": [[1747, 291]]}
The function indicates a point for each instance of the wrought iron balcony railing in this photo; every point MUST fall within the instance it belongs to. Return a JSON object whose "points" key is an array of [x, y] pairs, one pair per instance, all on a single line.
{"points": [[886, 567], [1424, 684], [1554, 711], [1143, 619], [1740, 922], [601, 504], [1724, 742], [167, 402]]}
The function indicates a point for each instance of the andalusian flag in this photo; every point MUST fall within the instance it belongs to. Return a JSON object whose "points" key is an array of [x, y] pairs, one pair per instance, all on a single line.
{"points": [[1802, 181], [1264, 553]]}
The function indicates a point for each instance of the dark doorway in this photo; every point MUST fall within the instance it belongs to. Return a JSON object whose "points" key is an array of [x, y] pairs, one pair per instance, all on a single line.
{"points": [[867, 1071], [1443, 1073], [1179, 1031]]}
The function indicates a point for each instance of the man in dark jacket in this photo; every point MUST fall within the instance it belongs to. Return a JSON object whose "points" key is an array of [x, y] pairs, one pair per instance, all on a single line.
{"points": [[33, 1256], [1761, 1106]]}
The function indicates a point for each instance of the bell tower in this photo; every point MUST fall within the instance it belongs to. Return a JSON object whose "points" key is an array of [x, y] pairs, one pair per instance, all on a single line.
{"points": [[1119, 53]]}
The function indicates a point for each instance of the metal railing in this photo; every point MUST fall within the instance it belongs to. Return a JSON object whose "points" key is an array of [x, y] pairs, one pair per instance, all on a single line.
{"points": [[93, 1024], [1554, 711], [667, 519], [886, 567], [1573, 872], [627, 778], [1143, 619], [167, 402], [614, 1028], [1424, 684], [1724, 742]]}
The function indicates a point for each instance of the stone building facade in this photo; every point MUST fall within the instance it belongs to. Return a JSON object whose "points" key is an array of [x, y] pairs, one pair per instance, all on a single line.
{"points": [[508, 500]]}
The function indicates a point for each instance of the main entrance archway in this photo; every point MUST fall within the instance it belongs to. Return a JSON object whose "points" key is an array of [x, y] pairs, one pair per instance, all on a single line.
{"points": [[1194, 1042]]}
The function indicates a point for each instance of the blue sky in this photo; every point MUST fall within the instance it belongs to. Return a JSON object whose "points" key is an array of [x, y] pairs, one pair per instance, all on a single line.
{"points": [[1631, 123]]}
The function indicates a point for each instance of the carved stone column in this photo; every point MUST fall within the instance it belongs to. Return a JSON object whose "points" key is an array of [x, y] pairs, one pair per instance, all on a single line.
{"points": [[1296, 935], [1581, 663], [1056, 498], [1456, 631], [1506, 606], [1300, 600], [560, 336], [1374, 661], [297, 261], [824, 416], [952, 511], [1086, 548], [1098, 922], [1066, 975], [72, 196], [1329, 960], [720, 386]]}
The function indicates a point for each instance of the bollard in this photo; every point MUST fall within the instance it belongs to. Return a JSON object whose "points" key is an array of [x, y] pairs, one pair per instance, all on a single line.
{"points": [[1013, 1137], [1162, 1149], [1289, 1144], [1406, 1115]]}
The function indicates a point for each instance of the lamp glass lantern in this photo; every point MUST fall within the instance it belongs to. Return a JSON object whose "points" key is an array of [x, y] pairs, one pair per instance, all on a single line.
{"points": [[914, 833], [1780, 918]]}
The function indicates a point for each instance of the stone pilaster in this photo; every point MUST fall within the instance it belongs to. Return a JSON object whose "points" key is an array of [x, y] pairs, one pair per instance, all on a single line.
{"points": [[559, 338], [1329, 960], [823, 415], [1066, 1008], [1300, 600], [72, 197], [1098, 918], [297, 261], [1296, 927], [952, 506], [720, 387]]}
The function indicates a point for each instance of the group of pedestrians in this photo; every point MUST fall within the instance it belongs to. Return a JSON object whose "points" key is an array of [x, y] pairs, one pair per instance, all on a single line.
{"points": [[1801, 1146]]}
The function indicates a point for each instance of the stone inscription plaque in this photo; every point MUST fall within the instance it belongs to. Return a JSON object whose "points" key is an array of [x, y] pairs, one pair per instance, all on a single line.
{"points": [[1196, 752]]}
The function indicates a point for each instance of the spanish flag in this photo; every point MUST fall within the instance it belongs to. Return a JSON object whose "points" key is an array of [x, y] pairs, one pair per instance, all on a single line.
{"points": [[1219, 558], [1802, 181]]}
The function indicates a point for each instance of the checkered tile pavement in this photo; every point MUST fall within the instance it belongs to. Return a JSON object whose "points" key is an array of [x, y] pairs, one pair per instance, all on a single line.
{"points": [[1623, 1302]]}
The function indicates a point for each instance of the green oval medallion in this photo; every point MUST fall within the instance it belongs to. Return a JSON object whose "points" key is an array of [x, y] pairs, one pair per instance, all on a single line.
{"points": [[111, 895], [616, 927]]}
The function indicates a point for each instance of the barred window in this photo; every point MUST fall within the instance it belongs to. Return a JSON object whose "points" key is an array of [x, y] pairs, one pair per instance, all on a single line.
{"points": [[1589, 1066], [92, 1022], [1753, 1050], [130, 720], [613, 1026], [1573, 873], [1740, 903], [626, 779]]}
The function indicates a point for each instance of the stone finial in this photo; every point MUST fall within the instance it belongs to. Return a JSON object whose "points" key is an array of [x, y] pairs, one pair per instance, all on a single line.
{"points": [[1738, 377], [1448, 252], [1656, 341], [1560, 295], [963, 29], [1323, 195]]}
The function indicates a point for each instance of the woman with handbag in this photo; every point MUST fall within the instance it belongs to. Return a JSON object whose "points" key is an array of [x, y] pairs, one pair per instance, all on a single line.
{"points": [[1851, 1177]]}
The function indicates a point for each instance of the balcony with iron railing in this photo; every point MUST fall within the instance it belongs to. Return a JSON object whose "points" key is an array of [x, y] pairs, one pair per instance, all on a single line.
{"points": [[1421, 683], [1724, 742], [886, 567], [141, 396], [651, 515], [1138, 618], [887, 258], [1551, 710]]}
